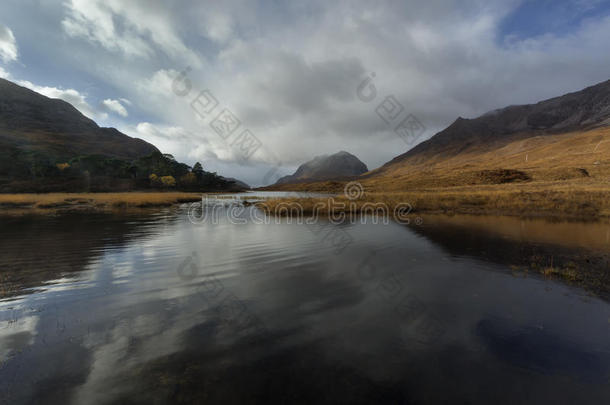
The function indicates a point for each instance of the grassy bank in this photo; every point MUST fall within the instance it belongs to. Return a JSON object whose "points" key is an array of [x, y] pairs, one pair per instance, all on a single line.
{"points": [[583, 202], [69, 202]]}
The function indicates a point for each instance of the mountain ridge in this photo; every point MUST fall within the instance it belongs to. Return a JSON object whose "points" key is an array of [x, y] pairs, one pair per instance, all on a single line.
{"points": [[579, 110], [326, 167], [32, 121], [563, 141]]}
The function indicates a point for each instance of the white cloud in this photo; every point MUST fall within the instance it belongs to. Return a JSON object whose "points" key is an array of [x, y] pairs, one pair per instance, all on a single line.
{"points": [[8, 45], [159, 84], [218, 26], [293, 83], [93, 20], [135, 28], [4, 74], [292, 80], [74, 97], [175, 140], [115, 106], [289, 71], [78, 100]]}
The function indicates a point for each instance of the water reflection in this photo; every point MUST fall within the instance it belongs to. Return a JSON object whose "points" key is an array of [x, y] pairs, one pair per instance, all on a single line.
{"points": [[571, 252], [154, 309], [35, 250], [541, 351]]}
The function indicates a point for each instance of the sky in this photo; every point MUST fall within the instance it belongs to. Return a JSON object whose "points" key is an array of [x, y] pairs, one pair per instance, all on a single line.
{"points": [[251, 89]]}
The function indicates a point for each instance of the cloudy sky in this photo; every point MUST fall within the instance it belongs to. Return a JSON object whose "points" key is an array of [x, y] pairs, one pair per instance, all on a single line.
{"points": [[289, 71]]}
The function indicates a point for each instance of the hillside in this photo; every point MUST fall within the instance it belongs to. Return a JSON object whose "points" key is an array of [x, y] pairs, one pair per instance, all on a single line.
{"points": [[580, 156], [573, 112], [564, 139], [32, 122], [576, 159], [563, 176], [338, 165], [546, 159], [47, 145]]}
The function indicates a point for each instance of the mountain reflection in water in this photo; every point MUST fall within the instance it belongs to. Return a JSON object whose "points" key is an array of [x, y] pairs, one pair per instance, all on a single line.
{"points": [[149, 308]]}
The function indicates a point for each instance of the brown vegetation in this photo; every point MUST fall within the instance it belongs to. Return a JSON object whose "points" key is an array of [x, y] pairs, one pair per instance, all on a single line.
{"points": [[565, 175], [587, 203], [62, 202]]}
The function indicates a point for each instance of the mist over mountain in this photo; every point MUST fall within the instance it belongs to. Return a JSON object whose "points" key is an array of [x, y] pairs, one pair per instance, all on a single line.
{"points": [[338, 165]]}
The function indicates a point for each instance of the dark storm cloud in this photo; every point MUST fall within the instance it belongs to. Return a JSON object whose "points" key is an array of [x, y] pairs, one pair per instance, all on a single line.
{"points": [[289, 70]]}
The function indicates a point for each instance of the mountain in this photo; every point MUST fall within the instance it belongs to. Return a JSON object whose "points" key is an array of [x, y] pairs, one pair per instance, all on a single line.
{"points": [[32, 122], [240, 185], [565, 138], [561, 141], [339, 165], [578, 111], [47, 145]]}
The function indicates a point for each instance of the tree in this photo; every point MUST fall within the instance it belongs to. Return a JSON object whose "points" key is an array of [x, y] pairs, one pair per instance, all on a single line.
{"points": [[168, 181], [154, 180], [188, 179], [198, 170]]}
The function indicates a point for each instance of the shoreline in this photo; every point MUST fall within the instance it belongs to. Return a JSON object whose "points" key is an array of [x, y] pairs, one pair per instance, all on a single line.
{"points": [[56, 203], [583, 266], [559, 201], [586, 203]]}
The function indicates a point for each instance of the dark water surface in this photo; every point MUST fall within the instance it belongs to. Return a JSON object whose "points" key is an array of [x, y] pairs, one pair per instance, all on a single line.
{"points": [[150, 308]]}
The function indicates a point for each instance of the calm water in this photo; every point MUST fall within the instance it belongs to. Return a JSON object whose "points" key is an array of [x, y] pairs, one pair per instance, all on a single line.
{"points": [[150, 308]]}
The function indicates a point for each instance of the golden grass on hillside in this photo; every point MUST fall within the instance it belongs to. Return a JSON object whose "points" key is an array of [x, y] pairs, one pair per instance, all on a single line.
{"points": [[90, 201], [583, 157], [565, 175]]}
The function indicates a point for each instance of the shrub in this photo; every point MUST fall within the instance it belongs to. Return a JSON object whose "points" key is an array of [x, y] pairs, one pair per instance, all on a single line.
{"points": [[168, 181]]}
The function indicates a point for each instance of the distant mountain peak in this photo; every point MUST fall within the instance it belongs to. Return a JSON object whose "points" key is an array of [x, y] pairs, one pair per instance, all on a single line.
{"points": [[325, 167]]}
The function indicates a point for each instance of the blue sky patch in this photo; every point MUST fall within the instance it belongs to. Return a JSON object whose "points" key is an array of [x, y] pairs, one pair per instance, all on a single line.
{"points": [[534, 18]]}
